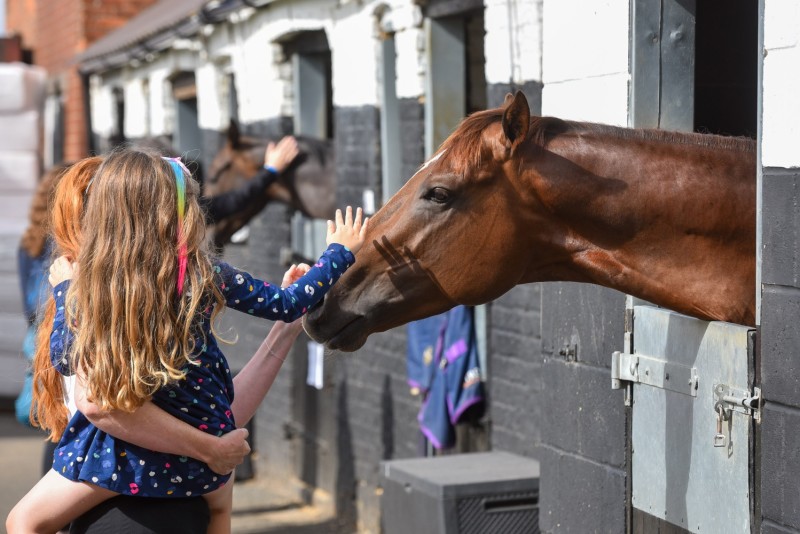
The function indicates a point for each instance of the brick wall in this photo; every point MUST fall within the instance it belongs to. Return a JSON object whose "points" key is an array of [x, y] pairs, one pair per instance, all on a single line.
{"points": [[107, 15], [21, 20], [57, 31], [357, 148], [373, 416], [779, 339]]}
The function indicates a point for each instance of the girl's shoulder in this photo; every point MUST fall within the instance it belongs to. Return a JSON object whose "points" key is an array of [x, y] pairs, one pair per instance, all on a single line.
{"points": [[225, 270], [226, 275]]}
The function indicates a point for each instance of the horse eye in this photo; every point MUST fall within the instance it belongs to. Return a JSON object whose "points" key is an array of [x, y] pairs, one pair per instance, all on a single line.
{"points": [[440, 195]]}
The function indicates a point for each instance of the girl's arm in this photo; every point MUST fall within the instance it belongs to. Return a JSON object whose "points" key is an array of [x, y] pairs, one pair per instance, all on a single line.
{"points": [[259, 298], [153, 428], [61, 335]]}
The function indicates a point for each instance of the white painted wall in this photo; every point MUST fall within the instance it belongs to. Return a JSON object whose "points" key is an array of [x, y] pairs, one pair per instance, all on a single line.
{"points": [[160, 101], [136, 108], [405, 20], [213, 114], [781, 84], [355, 81], [248, 46], [585, 60], [101, 106], [513, 41]]}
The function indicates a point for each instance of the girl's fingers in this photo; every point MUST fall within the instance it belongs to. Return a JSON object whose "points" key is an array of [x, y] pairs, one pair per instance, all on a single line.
{"points": [[357, 220], [331, 227], [363, 230], [348, 220], [339, 218]]}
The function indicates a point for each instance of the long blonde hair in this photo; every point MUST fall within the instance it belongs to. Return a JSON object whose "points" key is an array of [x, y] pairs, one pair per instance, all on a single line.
{"points": [[66, 209], [133, 333]]}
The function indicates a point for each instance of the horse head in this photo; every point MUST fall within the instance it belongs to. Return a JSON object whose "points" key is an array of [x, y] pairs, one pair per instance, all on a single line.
{"points": [[443, 239], [507, 199], [307, 185]]}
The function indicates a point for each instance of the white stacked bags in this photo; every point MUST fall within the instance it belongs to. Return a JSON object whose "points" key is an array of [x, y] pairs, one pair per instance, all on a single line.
{"points": [[21, 108], [21, 104]]}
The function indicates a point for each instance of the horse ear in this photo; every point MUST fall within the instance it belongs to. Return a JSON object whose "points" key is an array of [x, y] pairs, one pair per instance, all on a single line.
{"points": [[507, 100], [233, 134], [516, 119]]}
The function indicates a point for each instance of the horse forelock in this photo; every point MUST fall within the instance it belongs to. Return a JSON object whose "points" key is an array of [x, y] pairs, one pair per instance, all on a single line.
{"points": [[465, 148]]}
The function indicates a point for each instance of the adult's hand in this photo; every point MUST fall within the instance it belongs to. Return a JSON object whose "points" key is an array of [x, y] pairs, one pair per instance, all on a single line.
{"points": [[294, 273], [229, 451], [280, 155], [62, 269], [152, 428]]}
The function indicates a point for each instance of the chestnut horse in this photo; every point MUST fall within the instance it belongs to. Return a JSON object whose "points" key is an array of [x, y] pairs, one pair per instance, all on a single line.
{"points": [[510, 199], [308, 185]]}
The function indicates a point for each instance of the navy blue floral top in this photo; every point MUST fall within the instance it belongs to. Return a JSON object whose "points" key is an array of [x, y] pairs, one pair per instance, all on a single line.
{"points": [[202, 399]]}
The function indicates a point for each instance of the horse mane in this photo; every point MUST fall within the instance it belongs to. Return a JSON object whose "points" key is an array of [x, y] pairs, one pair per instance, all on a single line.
{"points": [[723, 142], [463, 148]]}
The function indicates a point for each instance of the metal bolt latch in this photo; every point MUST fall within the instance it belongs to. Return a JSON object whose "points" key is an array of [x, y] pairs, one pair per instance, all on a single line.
{"points": [[722, 415]]}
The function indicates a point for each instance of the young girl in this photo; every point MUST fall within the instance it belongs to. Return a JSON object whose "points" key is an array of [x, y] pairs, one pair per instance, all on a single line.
{"points": [[136, 324], [149, 426]]}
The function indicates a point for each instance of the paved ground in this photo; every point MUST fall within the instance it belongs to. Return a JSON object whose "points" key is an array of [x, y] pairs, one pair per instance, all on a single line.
{"points": [[20, 462], [260, 507]]}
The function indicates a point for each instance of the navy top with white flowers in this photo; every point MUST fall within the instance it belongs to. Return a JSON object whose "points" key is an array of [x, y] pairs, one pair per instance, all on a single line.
{"points": [[203, 399]]}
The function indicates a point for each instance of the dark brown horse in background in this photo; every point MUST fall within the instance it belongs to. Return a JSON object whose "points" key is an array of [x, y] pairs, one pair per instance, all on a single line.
{"points": [[308, 185], [510, 199]]}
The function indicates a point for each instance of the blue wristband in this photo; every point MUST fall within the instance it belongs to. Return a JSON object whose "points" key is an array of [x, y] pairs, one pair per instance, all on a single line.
{"points": [[271, 169]]}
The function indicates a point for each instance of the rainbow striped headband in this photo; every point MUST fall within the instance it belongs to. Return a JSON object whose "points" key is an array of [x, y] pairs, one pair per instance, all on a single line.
{"points": [[180, 180]]}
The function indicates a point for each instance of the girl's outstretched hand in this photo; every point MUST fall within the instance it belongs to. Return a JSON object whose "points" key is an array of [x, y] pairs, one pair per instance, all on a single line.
{"points": [[348, 231]]}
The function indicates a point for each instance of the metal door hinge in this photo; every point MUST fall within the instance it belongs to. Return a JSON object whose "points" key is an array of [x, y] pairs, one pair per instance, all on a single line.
{"points": [[738, 400], [642, 369]]}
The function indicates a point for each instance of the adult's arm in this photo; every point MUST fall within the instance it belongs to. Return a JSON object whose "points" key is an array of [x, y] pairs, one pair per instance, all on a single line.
{"points": [[237, 200], [277, 157], [253, 382], [153, 428]]}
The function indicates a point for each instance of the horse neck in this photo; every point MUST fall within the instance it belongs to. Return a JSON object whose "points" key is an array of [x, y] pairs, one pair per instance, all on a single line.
{"points": [[672, 223]]}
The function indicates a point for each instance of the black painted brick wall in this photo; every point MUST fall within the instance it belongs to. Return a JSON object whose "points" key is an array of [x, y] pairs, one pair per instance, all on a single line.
{"points": [[377, 415], [780, 362], [213, 142], [412, 135], [269, 231], [358, 156], [260, 255], [583, 428], [497, 92], [515, 371], [274, 128]]}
